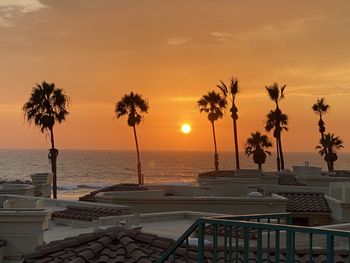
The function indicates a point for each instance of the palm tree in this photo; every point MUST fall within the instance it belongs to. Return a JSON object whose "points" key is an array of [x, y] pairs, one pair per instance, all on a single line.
{"points": [[321, 108], [230, 94], [276, 94], [46, 106], [213, 104], [329, 144], [256, 145], [277, 121], [134, 106]]}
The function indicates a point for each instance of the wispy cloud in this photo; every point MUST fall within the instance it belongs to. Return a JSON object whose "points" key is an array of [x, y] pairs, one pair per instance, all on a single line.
{"points": [[12, 9], [221, 36], [176, 41]]}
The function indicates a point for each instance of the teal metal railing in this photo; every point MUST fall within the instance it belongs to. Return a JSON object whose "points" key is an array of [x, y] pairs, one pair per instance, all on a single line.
{"points": [[263, 237]]}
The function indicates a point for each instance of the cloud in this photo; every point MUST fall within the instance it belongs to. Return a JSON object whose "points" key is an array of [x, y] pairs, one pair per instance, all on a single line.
{"points": [[221, 36], [176, 41], [12, 9]]}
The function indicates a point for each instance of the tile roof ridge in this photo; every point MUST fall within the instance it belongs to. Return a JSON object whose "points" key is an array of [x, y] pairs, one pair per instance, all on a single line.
{"points": [[132, 247], [301, 193]]}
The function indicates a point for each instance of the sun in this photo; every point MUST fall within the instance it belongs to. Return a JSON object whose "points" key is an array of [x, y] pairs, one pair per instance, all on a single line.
{"points": [[185, 128]]}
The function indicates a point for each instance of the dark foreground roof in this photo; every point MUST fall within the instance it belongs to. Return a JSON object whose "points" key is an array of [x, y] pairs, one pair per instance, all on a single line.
{"points": [[118, 187], [119, 245], [306, 202], [112, 245], [3, 243], [87, 213]]}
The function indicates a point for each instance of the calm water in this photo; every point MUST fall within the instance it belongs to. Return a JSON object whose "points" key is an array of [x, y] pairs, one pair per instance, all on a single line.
{"points": [[81, 171]]}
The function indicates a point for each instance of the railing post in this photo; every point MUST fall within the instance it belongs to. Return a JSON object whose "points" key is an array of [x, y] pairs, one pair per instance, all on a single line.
{"points": [[330, 248], [289, 247], [246, 245], [201, 226]]}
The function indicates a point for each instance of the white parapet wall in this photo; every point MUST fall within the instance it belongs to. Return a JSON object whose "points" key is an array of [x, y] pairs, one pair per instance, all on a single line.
{"points": [[17, 189], [340, 191], [22, 229], [222, 205]]}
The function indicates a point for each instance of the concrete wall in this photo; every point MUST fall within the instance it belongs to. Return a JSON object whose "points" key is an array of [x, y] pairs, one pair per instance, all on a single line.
{"points": [[340, 209], [322, 181], [222, 205], [231, 187], [48, 202], [22, 229], [269, 189]]}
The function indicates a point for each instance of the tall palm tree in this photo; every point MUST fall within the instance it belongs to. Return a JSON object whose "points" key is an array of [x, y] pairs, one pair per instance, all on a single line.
{"points": [[46, 106], [276, 94], [256, 145], [277, 121], [213, 104], [320, 108], [329, 144], [230, 94], [134, 106]]}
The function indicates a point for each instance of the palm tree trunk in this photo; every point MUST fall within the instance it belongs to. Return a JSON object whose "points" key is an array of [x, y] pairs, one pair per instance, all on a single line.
{"points": [[281, 152], [216, 156], [259, 166], [330, 160], [139, 173], [278, 155], [322, 129], [236, 142], [53, 159]]}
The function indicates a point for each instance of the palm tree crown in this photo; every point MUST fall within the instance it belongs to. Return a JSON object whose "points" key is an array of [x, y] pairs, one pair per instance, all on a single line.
{"points": [[46, 105], [320, 107], [330, 141], [275, 92], [213, 104], [329, 144], [276, 120], [256, 145], [230, 94], [132, 105]]}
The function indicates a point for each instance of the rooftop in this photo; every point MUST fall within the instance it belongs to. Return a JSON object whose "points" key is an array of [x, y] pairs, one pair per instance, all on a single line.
{"points": [[122, 245], [306, 202]]}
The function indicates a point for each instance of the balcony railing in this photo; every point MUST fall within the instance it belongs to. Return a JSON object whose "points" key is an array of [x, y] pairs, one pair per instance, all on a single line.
{"points": [[259, 238]]}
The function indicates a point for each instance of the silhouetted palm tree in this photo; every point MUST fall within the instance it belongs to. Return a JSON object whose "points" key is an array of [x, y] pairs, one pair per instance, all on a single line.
{"points": [[134, 106], [321, 108], [230, 94], [213, 104], [276, 94], [46, 106], [256, 145], [277, 121], [331, 143]]}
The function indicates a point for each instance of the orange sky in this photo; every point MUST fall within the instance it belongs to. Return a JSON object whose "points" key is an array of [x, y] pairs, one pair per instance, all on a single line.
{"points": [[172, 52]]}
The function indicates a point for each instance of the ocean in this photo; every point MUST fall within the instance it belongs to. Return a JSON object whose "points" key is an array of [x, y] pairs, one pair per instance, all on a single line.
{"points": [[82, 171]]}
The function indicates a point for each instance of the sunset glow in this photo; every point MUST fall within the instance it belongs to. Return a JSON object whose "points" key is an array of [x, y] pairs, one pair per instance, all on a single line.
{"points": [[186, 128], [173, 52]]}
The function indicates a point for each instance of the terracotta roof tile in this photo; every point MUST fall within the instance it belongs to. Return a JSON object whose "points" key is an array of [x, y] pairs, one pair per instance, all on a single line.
{"points": [[86, 213], [306, 202]]}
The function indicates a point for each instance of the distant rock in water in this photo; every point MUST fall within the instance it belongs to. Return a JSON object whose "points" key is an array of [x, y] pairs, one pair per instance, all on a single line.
{"points": [[117, 187]]}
